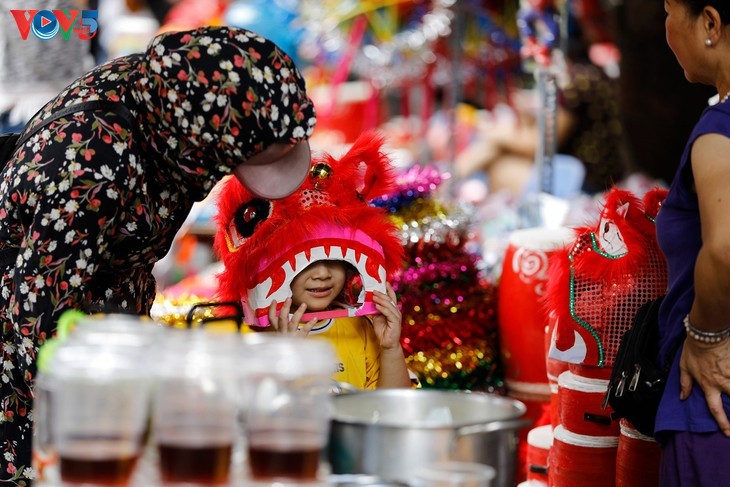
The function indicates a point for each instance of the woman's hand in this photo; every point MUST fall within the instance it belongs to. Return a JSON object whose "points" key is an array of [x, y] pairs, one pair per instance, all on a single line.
{"points": [[709, 366], [290, 326], [387, 324]]}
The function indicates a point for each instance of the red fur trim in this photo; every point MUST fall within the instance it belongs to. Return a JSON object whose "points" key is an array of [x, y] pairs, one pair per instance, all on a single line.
{"points": [[653, 200], [615, 199], [366, 155], [634, 230], [557, 289]]}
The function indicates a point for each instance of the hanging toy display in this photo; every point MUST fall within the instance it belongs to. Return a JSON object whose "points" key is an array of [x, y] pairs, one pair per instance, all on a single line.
{"points": [[392, 39], [539, 27], [264, 243], [383, 45], [596, 285], [490, 51], [449, 330]]}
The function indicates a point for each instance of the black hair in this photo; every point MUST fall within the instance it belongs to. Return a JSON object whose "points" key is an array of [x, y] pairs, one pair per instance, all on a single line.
{"points": [[722, 6], [352, 287]]}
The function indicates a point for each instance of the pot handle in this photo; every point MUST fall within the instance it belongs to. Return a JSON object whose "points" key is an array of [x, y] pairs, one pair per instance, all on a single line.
{"points": [[491, 426]]}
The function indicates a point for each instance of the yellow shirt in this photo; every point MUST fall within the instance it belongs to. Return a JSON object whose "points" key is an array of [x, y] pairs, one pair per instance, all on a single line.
{"points": [[358, 349]]}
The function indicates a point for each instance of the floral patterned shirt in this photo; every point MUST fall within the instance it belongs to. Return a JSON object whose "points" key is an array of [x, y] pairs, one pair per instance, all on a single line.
{"points": [[88, 204]]}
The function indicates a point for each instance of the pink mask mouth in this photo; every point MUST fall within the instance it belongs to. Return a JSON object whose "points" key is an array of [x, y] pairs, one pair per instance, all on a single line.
{"points": [[275, 274]]}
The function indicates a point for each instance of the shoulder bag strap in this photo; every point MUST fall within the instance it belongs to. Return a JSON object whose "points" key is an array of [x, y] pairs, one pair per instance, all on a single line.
{"points": [[108, 106]]}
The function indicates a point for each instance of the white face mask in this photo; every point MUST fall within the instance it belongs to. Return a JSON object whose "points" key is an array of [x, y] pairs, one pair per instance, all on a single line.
{"points": [[277, 171]]}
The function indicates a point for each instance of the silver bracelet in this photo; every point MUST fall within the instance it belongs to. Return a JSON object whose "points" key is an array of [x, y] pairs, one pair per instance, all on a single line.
{"points": [[704, 336]]}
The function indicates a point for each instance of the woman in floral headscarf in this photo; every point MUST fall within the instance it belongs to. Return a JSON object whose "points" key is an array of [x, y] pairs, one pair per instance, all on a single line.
{"points": [[90, 201]]}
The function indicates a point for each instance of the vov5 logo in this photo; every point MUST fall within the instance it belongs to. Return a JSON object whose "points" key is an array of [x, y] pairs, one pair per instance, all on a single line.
{"points": [[45, 24]]}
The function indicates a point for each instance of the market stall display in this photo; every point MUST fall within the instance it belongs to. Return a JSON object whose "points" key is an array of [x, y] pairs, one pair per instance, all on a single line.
{"points": [[512, 305], [449, 306]]}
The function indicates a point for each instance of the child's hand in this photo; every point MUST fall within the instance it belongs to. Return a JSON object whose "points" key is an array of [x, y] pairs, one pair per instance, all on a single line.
{"points": [[282, 324], [387, 325]]}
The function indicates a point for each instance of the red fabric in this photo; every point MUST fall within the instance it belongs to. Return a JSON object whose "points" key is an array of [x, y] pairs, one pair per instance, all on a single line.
{"points": [[580, 466], [637, 462]]}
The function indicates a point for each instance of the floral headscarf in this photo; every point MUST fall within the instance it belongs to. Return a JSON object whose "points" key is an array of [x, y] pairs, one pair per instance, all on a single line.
{"points": [[218, 96]]}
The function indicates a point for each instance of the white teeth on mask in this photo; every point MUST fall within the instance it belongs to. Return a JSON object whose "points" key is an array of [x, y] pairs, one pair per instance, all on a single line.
{"points": [[318, 254], [301, 261], [367, 280], [336, 252], [261, 291], [288, 269], [382, 275]]}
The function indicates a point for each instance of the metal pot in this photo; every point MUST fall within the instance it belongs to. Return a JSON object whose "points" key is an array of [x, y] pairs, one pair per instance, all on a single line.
{"points": [[392, 433], [358, 480]]}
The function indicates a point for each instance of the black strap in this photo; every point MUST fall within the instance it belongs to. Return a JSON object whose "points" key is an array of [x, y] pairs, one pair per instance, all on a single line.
{"points": [[107, 106], [237, 313], [8, 143], [8, 256]]}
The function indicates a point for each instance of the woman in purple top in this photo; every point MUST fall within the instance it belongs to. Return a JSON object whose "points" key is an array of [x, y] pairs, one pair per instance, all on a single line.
{"points": [[694, 234]]}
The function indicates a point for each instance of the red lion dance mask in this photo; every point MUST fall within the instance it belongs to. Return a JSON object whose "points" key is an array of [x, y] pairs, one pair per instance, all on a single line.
{"points": [[597, 284], [264, 244]]}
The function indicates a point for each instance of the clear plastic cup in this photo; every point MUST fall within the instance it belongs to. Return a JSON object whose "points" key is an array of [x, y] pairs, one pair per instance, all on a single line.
{"points": [[96, 405], [92, 373], [91, 410], [195, 409], [286, 405]]}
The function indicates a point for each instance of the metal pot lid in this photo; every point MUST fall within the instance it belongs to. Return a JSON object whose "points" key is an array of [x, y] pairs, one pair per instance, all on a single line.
{"points": [[361, 480], [424, 408]]}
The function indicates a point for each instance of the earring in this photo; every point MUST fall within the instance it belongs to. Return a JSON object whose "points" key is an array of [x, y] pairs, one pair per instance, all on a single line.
{"points": [[708, 42]]}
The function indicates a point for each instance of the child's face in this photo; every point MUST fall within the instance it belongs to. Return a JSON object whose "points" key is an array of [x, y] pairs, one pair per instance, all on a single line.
{"points": [[319, 284]]}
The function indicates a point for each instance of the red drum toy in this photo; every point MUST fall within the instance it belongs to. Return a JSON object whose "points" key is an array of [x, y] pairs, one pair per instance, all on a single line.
{"points": [[539, 441], [580, 402], [555, 367], [537, 412], [554, 404], [637, 460], [582, 461], [520, 307]]}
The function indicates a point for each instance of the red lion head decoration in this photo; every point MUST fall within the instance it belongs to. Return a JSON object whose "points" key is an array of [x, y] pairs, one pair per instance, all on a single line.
{"points": [[264, 244], [597, 284]]}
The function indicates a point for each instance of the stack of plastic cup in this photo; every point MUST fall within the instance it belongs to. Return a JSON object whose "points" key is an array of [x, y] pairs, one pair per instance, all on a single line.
{"points": [[92, 403], [286, 406]]}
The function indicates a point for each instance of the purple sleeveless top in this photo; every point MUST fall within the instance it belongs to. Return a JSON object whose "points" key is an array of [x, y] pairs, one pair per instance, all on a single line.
{"points": [[679, 236]]}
